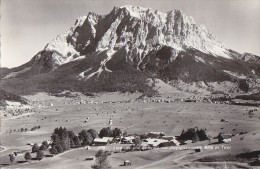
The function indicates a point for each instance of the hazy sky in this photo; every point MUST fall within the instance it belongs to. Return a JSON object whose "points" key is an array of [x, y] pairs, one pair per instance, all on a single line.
{"points": [[28, 25]]}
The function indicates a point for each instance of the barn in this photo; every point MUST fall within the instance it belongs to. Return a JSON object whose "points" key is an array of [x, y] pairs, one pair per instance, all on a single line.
{"points": [[166, 144], [101, 141], [224, 138]]}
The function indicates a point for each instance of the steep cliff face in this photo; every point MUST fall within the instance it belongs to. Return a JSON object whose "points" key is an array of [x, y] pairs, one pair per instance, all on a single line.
{"points": [[140, 28], [131, 41]]}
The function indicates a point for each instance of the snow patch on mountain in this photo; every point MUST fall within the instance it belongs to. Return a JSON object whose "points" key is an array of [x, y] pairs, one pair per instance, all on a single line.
{"points": [[240, 76], [177, 30], [103, 65], [197, 58], [110, 37], [78, 58], [82, 74], [142, 28], [253, 71], [66, 51]]}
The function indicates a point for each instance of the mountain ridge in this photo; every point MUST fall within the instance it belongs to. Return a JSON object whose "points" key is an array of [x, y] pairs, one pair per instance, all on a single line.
{"points": [[164, 45]]}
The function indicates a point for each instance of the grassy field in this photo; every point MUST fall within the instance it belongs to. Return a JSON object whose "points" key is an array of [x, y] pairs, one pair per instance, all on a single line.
{"points": [[132, 117]]}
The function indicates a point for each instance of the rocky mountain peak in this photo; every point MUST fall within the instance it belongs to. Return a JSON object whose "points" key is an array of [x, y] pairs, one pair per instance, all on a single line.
{"points": [[142, 27], [130, 44]]}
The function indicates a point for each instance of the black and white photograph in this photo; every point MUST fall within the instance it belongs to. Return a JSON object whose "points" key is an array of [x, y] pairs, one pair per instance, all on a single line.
{"points": [[130, 84]]}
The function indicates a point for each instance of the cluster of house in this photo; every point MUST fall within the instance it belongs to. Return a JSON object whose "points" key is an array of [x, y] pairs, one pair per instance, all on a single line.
{"points": [[167, 100], [39, 144], [152, 139], [79, 101], [151, 100], [18, 153], [211, 99], [16, 111]]}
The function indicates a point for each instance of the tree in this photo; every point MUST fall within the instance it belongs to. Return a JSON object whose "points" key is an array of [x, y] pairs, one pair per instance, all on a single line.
{"points": [[63, 133], [72, 144], [124, 134], [76, 141], [60, 136], [27, 156], [195, 138], [42, 147], [35, 148], [202, 135], [53, 150], [45, 145], [93, 133], [85, 137], [12, 158], [101, 160], [39, 154], [22, 129], [117, 132], [71, 134], [59, 148], [242, 84], [65, 144], [188, 135], [137, 141], [55, 139], [33, 128], [105, 132]]}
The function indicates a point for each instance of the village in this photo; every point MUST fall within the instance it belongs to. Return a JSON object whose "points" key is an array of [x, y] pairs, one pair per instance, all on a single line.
{"points": [[156, 126], [114, 140]]}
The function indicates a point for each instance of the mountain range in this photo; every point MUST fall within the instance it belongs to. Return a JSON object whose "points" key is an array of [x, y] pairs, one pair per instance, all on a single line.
{"points": [[127, 48]]}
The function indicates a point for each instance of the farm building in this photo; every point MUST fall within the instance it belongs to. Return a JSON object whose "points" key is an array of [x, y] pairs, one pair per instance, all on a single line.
{"points": [[224, 138], [110, 139], [127, 162], [166, 144], [18, 153], [188, 142], [152, 142], [155, 134], [128, 140], [171, 138], [101, 141]]}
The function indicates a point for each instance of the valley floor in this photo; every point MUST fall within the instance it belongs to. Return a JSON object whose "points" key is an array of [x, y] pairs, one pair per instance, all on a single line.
{"points": [[132, 117]]}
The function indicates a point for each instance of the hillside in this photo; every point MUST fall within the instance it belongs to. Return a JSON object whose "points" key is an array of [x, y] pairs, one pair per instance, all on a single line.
{"points": [[121, 50], [6, 96]]}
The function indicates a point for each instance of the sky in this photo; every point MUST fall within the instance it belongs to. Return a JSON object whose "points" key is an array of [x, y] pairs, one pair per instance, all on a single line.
{"points": [[28, 25]]}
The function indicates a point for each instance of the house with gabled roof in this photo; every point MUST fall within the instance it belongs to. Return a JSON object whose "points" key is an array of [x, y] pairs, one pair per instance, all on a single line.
{"points": [[224, 138]]}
